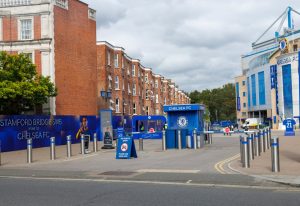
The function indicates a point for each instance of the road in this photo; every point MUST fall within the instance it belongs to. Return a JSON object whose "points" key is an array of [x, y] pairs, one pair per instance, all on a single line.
{"points": [[31, 192], [173, 177]]}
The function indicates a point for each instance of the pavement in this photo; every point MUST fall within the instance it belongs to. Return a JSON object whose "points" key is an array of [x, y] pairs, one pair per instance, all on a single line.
{"points": [[205, 165], [261, 166]]}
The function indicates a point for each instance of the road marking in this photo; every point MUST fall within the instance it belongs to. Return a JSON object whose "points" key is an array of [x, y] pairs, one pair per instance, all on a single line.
{"points": [[219, 165], [189, 181], [79, 158], [169, 171], [154, 183]]}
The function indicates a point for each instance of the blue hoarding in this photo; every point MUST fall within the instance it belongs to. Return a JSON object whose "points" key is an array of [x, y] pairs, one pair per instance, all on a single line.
{"points": [[16, 129]]}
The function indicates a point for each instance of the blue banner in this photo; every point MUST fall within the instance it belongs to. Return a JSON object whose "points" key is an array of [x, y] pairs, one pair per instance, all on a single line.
{"points": [[238, 103], [273, 76], [16, 129], [184, 107]]}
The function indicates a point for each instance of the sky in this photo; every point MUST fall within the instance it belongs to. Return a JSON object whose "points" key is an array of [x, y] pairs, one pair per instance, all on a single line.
{"points": [[196, 43]]}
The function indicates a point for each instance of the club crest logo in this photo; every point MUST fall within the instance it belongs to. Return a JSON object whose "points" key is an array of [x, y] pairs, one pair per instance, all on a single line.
{"points": [[182, 121]]}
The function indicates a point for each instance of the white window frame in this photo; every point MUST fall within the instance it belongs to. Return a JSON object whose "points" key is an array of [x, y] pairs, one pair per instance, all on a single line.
{"points": [[146, 78], [29, 52], [134, 89], [133, 70], [109, 82], [123, 85], [147, 94], [116, 60], [117, 106], [117, 83], [20, 27], [129, 90], [122, 61], [156, 83], [134, 108], [108, 58], [156, 98]]}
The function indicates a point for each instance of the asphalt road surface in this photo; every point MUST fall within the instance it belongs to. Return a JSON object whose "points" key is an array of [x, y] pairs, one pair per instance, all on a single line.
{"points": [[37, 192], [186, 177]]}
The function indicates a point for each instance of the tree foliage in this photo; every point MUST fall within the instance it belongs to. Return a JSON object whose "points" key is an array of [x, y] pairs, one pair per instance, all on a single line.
{"points": [[21, 88], [220, 102]]}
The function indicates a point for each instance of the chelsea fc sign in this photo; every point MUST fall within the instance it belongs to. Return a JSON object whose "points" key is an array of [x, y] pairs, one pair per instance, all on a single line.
{"points": [[182, 121]]}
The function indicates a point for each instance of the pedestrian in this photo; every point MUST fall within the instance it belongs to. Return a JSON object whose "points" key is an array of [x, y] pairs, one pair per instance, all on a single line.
{"points": [[142, 128]]}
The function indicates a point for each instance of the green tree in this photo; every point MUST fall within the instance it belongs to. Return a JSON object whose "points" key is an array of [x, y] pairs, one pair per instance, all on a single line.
{"points": [[220, 102], [21, 88]]}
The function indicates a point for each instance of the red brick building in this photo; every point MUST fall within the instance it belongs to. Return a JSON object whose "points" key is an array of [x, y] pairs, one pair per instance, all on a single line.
{"points": [[60, 38]]}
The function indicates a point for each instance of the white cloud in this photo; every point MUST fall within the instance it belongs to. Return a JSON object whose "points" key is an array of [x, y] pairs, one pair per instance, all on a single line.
{"points": [[197, 43]]}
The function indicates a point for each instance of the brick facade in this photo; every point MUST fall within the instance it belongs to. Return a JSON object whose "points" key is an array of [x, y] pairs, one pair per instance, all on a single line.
{"points": [[61, 39], [90, 76], [75, 60]]}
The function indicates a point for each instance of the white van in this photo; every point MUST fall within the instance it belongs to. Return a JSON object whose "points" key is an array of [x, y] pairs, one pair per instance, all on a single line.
{"points": [[251, 122]]}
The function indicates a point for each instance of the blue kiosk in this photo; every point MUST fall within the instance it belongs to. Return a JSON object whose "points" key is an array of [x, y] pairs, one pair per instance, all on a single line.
{"points": [[186, 118], [148, 127]]}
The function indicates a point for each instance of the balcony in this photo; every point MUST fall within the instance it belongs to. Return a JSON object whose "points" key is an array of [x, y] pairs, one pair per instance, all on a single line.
{"points": [[8, 3], [92, 14], [62, 3]]}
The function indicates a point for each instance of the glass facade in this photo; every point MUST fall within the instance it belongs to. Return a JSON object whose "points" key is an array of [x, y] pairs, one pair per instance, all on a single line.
{"points": [[253, 89], [237, 89], [287, 91], [261, 88], [248, 86]]}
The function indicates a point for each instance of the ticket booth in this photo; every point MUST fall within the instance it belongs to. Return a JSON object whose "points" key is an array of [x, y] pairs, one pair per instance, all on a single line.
{"points": [[184, 117]]}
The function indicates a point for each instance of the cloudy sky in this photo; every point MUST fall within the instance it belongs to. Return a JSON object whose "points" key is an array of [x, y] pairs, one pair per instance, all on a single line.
{"points": [[197, 43]]}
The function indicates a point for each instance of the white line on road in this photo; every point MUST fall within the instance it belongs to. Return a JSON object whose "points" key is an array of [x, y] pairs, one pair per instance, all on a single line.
{"points": [[153, 182], [169, 171]]}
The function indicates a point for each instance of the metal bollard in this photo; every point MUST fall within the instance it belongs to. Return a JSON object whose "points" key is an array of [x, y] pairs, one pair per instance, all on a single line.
{"points": [[164, 140], [95, 143], [209, 138], [179, 139], [29, 150], [275, 154], [82, 144], [188, 141], [270, 136], [69, 146], [195, 138], [241, 149], [141, 144], [263, 140], [268, 139], [199, 141], [250, 146], [257, 147], [246, 159], [52, 148]]}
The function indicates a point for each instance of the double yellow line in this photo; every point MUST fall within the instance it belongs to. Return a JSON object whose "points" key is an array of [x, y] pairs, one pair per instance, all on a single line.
{"points": [[219, 165]]}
